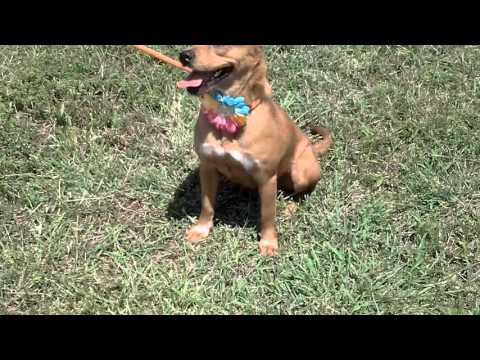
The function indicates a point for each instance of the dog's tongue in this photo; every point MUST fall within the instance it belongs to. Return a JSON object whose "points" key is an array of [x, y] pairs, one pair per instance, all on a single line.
{"points": [[192, 83]]}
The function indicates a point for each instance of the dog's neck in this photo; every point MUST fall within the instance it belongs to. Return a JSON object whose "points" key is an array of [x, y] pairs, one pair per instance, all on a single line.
{"points": [[225, 113], [253, 86]]}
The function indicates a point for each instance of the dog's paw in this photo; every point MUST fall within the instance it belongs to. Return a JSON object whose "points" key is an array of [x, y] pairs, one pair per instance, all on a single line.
{"points": [[268, 247], [197, 233]]}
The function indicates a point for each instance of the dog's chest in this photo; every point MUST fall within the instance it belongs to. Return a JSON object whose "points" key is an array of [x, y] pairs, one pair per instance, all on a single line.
{"points": [[228, 154]]}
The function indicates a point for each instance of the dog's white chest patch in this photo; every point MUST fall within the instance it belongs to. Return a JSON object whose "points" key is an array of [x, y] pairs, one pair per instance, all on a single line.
{"points": [[247, 161]]}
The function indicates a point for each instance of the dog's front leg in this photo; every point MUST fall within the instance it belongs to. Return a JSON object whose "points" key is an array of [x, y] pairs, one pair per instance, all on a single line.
{"points": [[268, 198], [209, 179]]}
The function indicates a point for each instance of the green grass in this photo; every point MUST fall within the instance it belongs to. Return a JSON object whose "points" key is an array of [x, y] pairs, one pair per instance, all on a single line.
{"points": [[98, 184]]}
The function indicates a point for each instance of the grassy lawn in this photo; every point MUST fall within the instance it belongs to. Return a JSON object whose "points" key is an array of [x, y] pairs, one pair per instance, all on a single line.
{"points": [[98, 184]]}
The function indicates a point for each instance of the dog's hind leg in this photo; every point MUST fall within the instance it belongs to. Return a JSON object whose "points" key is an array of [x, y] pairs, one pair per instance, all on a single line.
{"points": [[209, 180], [305, 172]]}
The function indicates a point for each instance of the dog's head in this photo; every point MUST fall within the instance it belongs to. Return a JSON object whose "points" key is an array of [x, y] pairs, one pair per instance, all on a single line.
{"points": [[233, 69]]}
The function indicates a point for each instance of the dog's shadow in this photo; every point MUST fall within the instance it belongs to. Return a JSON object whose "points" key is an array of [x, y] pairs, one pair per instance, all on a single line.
{"points": [[235, 205]]}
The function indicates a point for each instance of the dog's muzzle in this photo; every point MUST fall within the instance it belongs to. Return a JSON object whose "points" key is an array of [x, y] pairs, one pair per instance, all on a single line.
{"points": [[186, 57]]}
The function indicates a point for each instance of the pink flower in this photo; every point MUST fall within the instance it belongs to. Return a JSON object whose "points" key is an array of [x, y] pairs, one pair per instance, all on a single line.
{"points": [[220, 121]]}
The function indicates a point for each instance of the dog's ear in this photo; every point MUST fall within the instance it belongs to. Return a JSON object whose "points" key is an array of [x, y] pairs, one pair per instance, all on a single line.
{"points": [[257, 50]]}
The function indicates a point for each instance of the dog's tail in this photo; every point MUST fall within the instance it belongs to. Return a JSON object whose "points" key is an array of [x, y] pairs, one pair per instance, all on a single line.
{"points": [[321, 148]]}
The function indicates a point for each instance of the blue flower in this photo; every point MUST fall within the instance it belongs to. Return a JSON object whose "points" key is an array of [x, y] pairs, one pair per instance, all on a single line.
{"points": [[237, 104], [239, 101], [229, 101], [242, 110]]}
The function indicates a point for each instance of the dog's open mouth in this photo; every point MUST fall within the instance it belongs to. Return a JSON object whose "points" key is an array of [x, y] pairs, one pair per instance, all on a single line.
{"points": [[200, 81]]}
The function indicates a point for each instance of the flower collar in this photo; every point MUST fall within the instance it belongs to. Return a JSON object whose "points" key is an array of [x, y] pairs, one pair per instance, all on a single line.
{"points": [[225, 113], [235, 105]]}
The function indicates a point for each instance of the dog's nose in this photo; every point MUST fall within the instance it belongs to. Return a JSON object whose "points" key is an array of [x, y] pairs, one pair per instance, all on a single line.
{"points": [[186, 57]]}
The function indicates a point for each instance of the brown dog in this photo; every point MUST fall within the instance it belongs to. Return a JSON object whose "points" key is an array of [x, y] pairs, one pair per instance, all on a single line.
{"points": [[264, 150]]}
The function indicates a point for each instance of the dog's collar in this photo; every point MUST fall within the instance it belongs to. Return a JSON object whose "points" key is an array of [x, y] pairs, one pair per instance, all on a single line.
{"points": [[227, 113], [228, 104]]}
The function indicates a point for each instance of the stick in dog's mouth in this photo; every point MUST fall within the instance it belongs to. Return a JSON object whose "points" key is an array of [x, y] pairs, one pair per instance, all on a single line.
{"points": [[200, 81]]}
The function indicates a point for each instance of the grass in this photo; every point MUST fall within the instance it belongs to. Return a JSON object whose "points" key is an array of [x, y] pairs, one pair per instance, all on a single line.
{"points": [[98, 184]]}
